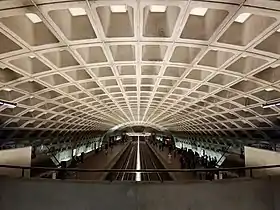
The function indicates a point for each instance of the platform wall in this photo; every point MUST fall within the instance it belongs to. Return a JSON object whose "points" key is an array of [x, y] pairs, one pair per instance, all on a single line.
{"points": [[18, 157], [261, 157], [219, 195]]}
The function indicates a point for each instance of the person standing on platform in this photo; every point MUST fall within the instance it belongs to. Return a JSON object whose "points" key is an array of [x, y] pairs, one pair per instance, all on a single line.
{"points": [[106, 149], [169, 158], [82, 157], [182, 161], [170, 148], [111, 147]]}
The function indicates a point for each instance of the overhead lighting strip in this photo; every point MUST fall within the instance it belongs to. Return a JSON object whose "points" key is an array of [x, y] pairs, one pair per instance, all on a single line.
{"points": [[242, 17], [118, 8], [8, 104], [199, 11], [157, 8], [34, 18], [77, 11], [269, 105]]}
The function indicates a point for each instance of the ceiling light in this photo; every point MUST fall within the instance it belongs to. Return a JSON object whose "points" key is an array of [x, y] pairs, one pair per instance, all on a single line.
{"points": [[199, 11], [158, 8], [8, 89], [32, 56], [278, 30], [242, 17], [270, 105], [77, 11], [269, 89], [8, 104], [33, 17], [118, 8]]}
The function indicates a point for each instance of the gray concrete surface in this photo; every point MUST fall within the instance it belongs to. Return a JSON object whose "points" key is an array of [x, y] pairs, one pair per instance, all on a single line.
{"points": [[258, 194]]}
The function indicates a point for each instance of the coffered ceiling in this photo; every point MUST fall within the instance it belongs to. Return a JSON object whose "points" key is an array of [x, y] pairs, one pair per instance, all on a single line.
{"points": [[203, 67]]}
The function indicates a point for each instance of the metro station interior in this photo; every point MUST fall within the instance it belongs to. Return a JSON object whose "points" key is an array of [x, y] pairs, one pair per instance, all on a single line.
{"points": [[139, 104]]}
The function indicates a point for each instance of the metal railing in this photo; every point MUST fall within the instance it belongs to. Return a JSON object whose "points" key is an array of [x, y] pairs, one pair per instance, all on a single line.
{"points": [[204, 170]]}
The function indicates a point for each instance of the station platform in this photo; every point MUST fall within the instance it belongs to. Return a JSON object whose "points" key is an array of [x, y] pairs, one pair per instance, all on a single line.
{"points": [[174, 163], [100, 161]]}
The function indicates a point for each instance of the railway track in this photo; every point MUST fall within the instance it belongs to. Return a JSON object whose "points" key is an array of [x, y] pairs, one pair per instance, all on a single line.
{"points": [[129, 163], [148, 160], [126, 161]]}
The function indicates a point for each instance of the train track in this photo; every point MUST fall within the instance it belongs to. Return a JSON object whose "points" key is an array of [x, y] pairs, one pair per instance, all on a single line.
{"points": [[126, 161], [148, 160], [129, 163]]}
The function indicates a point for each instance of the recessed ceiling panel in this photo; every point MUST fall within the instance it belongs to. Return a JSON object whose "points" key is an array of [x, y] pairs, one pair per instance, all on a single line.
{"points": [[7, 45], [243, 32], [34, 33], [202, 23], [115, 23], [73, 27], [205, 68], [160, 23]]}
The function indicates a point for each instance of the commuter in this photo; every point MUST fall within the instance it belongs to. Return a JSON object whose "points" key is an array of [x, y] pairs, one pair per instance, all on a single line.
{"points": [[62, 173], [196, 159], [106, 148], [204, 161], [215, 162], [182, 161], [73, 163], [169, 158], [210, 176], [82, 157], [188, 158], [191, 156], [111, 147], [242, 156], [170, 149], [181, 150]]}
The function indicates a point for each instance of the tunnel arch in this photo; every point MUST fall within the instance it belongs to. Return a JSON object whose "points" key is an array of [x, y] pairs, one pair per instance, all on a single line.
{"points": [[114, 72]]}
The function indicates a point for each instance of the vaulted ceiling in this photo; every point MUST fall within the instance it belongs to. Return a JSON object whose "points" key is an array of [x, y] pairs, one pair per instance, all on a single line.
{"points": [[202, 67]]}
